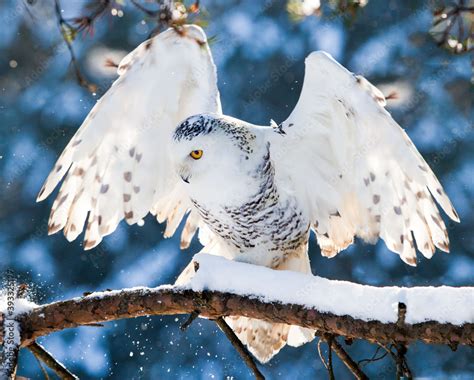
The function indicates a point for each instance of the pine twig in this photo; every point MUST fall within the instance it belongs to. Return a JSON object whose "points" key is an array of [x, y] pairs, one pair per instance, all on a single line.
{"points": [[194, 314], [328, 338], [243, 352], [63, 26], [43, 370], [140, 7], [329, 341], [374, 358], [400, 359], [42, 355], [348, 361], [403, 371], [321, 356], [447, 17]]}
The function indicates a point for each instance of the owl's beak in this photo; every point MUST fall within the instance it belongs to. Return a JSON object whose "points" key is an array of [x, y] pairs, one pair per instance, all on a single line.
{"points": [[185, 179]]}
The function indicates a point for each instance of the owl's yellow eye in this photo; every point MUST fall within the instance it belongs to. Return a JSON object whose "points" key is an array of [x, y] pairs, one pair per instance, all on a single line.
{"points": [[196, 154]]}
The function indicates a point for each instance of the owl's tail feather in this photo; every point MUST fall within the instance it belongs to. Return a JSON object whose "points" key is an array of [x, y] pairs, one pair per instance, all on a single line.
{"points": [[264, 340]]}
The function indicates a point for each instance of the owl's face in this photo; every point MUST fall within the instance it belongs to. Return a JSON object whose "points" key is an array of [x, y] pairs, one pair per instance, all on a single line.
{"points": [[213, 153]]}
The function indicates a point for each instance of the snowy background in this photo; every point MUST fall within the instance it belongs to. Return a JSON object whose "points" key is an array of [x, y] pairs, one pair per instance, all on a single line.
{"points": [[259, 52]]}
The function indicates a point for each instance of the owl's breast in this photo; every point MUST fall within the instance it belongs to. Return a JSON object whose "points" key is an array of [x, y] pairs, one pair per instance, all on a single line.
{"points": [[261, 231]]}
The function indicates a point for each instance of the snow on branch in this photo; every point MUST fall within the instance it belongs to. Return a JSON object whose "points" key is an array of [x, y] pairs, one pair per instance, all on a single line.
{"points": [[219, 288], [341, 298], [222, 288]]}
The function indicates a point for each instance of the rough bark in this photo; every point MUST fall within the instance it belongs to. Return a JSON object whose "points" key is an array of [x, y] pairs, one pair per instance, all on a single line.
{"points": [[130, 303]]}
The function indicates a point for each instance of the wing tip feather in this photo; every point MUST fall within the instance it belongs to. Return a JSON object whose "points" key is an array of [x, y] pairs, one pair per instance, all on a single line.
{"points": [[184, 245], [41, 195], [54, 227], [89, 244], [409, 260], [455, 216], [442, 246]]}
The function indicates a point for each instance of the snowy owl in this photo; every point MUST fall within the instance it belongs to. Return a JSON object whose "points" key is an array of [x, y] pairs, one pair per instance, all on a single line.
{"points": [[339, 166]]}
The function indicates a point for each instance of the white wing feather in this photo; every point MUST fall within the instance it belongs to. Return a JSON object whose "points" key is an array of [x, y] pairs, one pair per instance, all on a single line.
{"points": [[355, 169], [117, 165]]}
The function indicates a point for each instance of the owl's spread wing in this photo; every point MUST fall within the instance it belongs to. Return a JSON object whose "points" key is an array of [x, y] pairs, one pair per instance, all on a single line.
{"points": [[355, 169], [117, 166]]}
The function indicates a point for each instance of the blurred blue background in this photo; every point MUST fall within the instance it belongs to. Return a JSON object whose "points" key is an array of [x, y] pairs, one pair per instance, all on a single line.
{"points": [[259, 52]]}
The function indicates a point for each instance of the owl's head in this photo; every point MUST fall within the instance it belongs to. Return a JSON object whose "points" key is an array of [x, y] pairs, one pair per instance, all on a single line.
{"points": [[213, 152]]}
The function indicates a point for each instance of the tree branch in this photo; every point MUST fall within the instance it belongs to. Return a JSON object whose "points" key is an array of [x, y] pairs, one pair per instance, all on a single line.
{"points": [[304, 301], [348, 362], [131, 303]]}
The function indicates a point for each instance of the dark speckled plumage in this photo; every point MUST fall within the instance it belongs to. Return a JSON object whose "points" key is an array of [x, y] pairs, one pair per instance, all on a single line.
{"points": [[203, 125]]}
